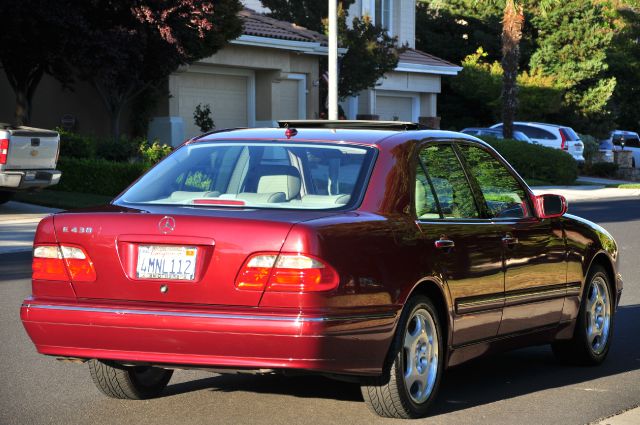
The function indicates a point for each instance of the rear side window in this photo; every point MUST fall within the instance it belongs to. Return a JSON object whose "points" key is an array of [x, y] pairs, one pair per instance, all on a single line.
{"points": [[535, 132], [571, 135], [449, 183], [502, 193], [260, 175]]}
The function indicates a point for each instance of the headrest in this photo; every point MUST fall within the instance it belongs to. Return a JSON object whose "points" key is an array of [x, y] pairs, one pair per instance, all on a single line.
{"points": [[278, 178]]}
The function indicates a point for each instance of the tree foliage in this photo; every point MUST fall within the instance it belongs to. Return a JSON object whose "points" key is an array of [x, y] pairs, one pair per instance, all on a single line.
{"points": [[573, 43], [306, 13], [125, 47], [34, 40]]}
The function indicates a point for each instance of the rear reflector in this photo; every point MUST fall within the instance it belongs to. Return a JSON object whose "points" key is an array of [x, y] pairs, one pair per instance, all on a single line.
{"points": [[564, 145], [52, 262], [4, 150], [286, 273]]}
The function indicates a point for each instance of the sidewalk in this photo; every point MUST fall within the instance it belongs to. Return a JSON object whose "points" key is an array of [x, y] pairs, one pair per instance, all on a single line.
{"points": [[592, 188], [18, 224], [630, 417]]}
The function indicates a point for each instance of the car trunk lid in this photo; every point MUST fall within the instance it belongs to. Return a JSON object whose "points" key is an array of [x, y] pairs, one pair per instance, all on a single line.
{"points": [[220, 242]]}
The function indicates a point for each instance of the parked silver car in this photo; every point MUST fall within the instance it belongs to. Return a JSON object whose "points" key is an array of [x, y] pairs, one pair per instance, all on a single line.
{"points": [[628, 141], [551, 135]]}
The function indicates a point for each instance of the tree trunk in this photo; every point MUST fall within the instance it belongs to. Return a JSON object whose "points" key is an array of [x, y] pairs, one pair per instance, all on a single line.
{"points": [[24, 86], [114, 115], [512, 24]]}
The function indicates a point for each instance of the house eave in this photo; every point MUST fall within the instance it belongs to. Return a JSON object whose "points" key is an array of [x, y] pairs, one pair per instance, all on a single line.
{"points": [[307, 47], [427, 69]]}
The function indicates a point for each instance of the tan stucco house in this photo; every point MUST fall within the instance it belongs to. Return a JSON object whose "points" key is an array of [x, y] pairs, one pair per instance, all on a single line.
{"points": [[270, 72]]}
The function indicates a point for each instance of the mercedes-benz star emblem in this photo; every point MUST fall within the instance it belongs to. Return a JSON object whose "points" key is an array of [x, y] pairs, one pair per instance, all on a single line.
{"points": [[167, 224]]}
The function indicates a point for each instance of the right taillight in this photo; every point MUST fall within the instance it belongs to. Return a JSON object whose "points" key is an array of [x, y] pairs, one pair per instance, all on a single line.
{"points": [[4, 151], [63, 262], [286, 272], [563, 144]]}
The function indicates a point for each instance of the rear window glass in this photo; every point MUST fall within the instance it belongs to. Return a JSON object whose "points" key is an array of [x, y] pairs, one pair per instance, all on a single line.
{"points": [[260, 175], [535, 132]]}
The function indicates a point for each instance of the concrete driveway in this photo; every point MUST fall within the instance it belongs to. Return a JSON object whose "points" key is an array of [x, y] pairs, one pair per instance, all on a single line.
{"points": [[18, 224]]}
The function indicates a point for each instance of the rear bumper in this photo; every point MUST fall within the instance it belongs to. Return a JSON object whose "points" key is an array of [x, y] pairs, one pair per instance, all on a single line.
{"points": [[345, 344], [29, 179]]}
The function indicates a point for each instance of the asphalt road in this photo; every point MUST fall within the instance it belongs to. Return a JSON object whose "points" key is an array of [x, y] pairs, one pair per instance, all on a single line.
{"points": [[524, 387]]}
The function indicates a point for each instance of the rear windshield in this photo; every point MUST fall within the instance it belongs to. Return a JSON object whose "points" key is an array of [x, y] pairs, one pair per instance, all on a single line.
{"points": [[257, 174]]}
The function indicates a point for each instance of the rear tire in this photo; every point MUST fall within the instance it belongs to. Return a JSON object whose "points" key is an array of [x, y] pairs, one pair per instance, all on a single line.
{"points": [[5, 196], [129, 382], [594, 325], [411, 377]]}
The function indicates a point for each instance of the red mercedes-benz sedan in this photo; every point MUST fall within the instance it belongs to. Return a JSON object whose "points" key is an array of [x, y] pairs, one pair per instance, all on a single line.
{"points": [[375, 252]]}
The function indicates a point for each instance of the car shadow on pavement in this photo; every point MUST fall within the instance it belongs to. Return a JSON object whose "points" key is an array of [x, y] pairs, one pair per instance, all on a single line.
{"points": [[13, 266], [479, 382]]}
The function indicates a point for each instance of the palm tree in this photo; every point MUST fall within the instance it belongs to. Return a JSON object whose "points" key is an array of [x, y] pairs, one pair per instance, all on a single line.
{"points": [[512, 23]]}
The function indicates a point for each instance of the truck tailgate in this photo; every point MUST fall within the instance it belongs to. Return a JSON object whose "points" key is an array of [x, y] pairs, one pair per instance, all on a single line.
{"points": [[32, 150]]}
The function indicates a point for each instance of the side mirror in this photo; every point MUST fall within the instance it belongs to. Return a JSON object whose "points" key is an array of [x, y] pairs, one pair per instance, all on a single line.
{"points": [[550, 206]]}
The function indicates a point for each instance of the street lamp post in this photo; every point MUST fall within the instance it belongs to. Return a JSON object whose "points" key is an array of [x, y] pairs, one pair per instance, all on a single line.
{"points": [[333, 59]]}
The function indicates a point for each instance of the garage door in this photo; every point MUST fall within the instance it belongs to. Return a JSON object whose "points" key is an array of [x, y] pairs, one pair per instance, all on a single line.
{"points": [[225, 94], [287, 105], [394, 108]]}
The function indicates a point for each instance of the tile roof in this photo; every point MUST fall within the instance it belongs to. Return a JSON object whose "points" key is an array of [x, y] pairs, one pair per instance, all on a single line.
{"points": [[259, 25], [421, 58]]}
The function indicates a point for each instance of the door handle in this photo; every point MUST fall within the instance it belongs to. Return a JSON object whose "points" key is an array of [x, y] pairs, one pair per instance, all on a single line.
{"points": [[509, 241], [444, 244]]}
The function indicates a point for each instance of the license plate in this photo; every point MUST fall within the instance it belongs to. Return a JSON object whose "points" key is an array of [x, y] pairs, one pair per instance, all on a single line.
{"points": [[30, 175], [166, 262]]}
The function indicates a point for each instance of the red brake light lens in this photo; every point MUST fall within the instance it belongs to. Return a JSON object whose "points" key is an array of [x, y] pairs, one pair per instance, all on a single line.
{"points": [[4, 150], [287, 273], [64, 262], [563, 145]]}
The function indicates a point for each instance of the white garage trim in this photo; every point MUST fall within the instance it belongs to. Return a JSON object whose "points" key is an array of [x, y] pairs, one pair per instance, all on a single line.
{"points": [[415, 101]]}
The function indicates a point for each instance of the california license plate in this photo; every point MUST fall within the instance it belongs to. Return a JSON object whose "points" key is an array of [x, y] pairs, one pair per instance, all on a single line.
{"points": [[166, 262]]}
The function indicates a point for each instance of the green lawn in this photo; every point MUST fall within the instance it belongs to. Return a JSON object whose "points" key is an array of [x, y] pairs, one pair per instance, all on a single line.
{"points": [[629, 186], [63, 200]]}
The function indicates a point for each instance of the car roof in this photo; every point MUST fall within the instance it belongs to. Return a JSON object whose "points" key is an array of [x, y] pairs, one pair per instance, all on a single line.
{"points": [[368, 137], [533, 123]]}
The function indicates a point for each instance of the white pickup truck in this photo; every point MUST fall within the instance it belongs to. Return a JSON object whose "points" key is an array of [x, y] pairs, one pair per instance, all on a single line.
{"points": [[28, 158]]}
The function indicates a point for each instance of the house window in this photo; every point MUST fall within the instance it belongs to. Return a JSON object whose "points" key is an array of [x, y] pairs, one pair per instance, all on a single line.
{"points": [[382, 13]]}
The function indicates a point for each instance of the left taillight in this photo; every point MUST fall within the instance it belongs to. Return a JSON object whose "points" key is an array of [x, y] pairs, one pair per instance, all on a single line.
{"points": [[286, 273], [62, 262], [4, 151]]}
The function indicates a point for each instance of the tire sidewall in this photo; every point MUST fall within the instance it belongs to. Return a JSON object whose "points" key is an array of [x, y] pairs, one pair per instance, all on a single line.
{"points": [[581, 330], [415, 304]]}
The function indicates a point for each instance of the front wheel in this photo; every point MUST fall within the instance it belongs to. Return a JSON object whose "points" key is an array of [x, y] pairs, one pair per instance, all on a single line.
{"points": [[594, 325], [129, 382], [411, 377]]}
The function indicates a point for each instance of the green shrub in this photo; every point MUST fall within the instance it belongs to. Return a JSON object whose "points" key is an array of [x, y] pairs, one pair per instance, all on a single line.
{"points": [[122, 150], [152, 154], [97, 176], [591, 147], [602, 169], [537, 162], [73, 145]]}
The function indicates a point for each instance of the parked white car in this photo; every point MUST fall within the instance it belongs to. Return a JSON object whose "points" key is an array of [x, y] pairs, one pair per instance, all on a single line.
{"points": [[628, 141], [551, 135], [495, 132]]}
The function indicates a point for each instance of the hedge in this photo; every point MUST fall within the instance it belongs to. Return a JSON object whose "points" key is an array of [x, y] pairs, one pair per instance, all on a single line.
{"points": [[97, 176], [535, 162]]}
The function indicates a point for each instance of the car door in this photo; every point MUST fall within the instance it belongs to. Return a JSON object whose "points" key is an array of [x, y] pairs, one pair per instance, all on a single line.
{"points": [[533, 249], [463, 243]]}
